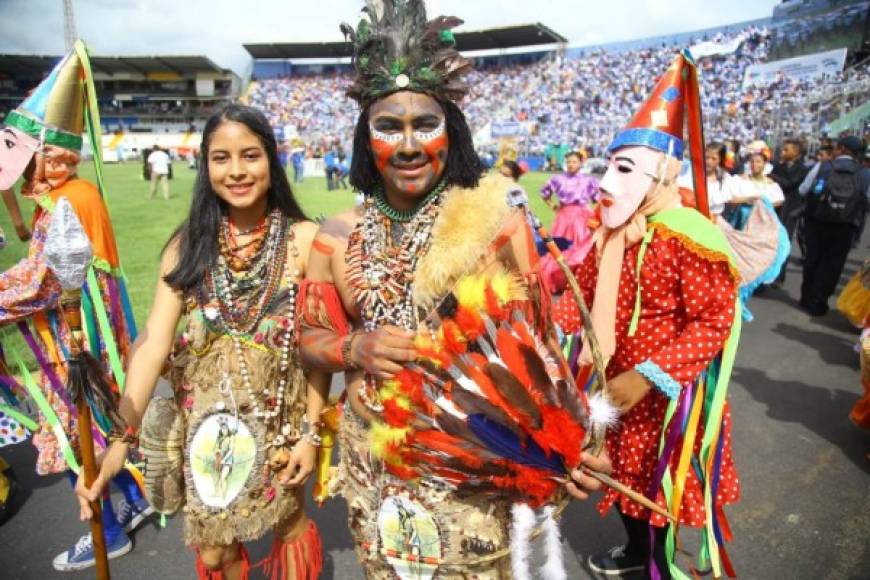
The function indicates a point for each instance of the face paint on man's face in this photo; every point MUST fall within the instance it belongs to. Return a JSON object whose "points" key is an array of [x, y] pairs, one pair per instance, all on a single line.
{"points": [[16, 151], [408, 139], [384, 146], [626, 183], [435, 145]]}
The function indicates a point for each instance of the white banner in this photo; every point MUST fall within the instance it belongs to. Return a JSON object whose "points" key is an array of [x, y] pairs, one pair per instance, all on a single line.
{"points": [[705, 49], [810, 66]]}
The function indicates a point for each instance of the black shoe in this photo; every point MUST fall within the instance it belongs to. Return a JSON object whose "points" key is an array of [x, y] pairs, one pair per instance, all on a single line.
{"points": [[813, 309], [615, 562]]}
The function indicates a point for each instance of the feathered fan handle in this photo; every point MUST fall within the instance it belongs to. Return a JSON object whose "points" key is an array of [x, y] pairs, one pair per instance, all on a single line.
{"points": [[629, 493], [596, 438], [86, 381]]}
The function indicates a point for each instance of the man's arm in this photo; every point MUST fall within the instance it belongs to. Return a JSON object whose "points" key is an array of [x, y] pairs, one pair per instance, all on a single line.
{"points": [[324, 321]]}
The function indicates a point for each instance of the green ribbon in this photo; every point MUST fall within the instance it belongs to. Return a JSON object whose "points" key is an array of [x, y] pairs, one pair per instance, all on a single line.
{"points": [[17, 415], [106, 330], [90, 320], [35, 128], [92, 114], [635, 316], [47, 411]]}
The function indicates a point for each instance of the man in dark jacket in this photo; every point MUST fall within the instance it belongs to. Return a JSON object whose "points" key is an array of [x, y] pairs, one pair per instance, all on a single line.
{"points": [[836, 204], [789, 173]]}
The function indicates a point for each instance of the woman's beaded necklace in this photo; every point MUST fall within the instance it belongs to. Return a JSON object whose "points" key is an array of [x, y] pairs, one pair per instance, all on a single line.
{"points": [[224, 286], [243, 296]]}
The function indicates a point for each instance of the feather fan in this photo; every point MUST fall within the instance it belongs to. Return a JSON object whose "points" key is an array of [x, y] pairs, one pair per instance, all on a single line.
{"points": [[506, 417]]}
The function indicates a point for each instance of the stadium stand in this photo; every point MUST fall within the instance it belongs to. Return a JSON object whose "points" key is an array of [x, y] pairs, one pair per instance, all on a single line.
{"points": [[531, 86], [579, 97], [143, 100]]}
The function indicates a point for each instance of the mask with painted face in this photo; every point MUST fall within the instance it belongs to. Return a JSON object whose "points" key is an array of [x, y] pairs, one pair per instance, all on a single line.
{"points": [[630, 177], [16, 151], [52, 168]]}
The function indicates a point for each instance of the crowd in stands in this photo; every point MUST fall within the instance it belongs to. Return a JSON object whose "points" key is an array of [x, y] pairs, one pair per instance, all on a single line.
{"points": [[806, 34], [582, 101]]}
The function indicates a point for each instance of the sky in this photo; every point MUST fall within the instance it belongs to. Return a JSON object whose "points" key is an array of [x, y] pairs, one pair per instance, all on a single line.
{"points": [[218, 28]]}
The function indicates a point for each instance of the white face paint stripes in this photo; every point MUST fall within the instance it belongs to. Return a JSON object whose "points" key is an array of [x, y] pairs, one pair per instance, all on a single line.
{"points": [[385, 137], [429, 135], [418, 135]]}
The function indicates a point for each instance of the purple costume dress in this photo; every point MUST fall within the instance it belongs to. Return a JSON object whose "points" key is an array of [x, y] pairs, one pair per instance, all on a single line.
{"points": [[576, 194]]}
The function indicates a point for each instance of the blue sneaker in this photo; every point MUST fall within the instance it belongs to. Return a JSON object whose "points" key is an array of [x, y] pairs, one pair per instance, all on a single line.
{"points": [[81, 555], [130, 515]]}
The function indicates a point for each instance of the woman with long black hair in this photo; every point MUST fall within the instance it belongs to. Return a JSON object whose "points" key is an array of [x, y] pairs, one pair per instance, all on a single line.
{"points": [[232, 269]]}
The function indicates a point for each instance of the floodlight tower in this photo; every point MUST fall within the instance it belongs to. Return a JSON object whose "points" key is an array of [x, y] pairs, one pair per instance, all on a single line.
{"points": [[69, 25]]}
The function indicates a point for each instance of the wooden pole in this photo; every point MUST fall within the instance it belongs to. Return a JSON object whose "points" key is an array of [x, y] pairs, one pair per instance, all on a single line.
{"points": [[89, 469], [71, 306]]}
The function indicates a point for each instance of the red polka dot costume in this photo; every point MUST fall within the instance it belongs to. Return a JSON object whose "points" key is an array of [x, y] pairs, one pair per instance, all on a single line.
{"points": [[686, 312]]}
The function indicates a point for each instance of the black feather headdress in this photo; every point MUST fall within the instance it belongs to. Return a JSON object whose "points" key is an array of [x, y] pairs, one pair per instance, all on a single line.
{"points": [[396, 48]]}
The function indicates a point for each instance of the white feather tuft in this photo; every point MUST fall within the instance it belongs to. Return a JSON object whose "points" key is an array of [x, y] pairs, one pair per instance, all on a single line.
{"points": [[521, 529], [554, 565], [602, 414]]}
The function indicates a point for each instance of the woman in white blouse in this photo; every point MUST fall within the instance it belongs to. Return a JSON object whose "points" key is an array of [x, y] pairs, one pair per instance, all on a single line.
{"points": [[756, 184], [757, 237], [721, 185]]}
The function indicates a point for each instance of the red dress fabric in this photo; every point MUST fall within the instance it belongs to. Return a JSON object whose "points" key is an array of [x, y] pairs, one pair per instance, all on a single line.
{"points": [[687, 308]]}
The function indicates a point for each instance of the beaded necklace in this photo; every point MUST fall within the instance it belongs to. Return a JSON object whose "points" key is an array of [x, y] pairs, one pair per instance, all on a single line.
{"points": [[381, 272], [229, 289], [242, 297], [405, 215]]}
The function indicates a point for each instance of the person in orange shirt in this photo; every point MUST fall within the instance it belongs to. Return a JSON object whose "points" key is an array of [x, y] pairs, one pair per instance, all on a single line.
{"points": [[43, 138]]}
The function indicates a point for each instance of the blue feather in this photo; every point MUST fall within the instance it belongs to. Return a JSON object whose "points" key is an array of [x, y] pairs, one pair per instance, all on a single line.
{"points": [[505, 443], [561, 243]]}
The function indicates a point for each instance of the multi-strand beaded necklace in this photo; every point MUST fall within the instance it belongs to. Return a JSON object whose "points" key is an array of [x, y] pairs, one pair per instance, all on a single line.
{"points": [[382, 256], [241, 289]]}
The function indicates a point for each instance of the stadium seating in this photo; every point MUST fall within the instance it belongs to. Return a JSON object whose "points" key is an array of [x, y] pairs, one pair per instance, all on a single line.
{"points": [[582, 100]]}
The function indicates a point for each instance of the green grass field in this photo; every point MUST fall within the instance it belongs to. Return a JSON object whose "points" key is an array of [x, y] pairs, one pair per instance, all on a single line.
{"points": [[142, 226]]}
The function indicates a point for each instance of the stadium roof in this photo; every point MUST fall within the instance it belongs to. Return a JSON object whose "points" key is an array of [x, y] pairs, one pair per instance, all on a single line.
{"points": [[489, 39], [23, 65]]}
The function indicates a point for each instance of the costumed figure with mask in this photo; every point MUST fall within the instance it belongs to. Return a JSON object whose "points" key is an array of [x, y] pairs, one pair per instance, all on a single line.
{"points": [[663, 284], [15, 425], [43, 139], [379, 275], [573, 195]]}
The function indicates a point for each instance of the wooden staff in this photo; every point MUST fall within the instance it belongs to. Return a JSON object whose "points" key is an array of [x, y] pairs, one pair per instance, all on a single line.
{"points": [[597, 440], [71, 305]]}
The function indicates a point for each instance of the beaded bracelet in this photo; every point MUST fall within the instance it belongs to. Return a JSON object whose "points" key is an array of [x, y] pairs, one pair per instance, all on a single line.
{"points": [[130, 437], [310, 432], [312, 439], [346, 346]]}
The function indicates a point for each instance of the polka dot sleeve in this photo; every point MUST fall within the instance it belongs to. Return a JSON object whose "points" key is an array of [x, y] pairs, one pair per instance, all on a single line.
{"points": [[566, 313], [708, 294]]}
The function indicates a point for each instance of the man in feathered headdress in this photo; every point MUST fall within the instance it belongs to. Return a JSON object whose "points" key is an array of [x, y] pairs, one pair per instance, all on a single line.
{"points": [[42, 142], [430, 216], [663, 287]]}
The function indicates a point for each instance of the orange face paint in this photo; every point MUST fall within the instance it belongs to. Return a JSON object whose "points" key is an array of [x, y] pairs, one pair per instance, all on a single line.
{"points": [[383, 152], [436, 151]]}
